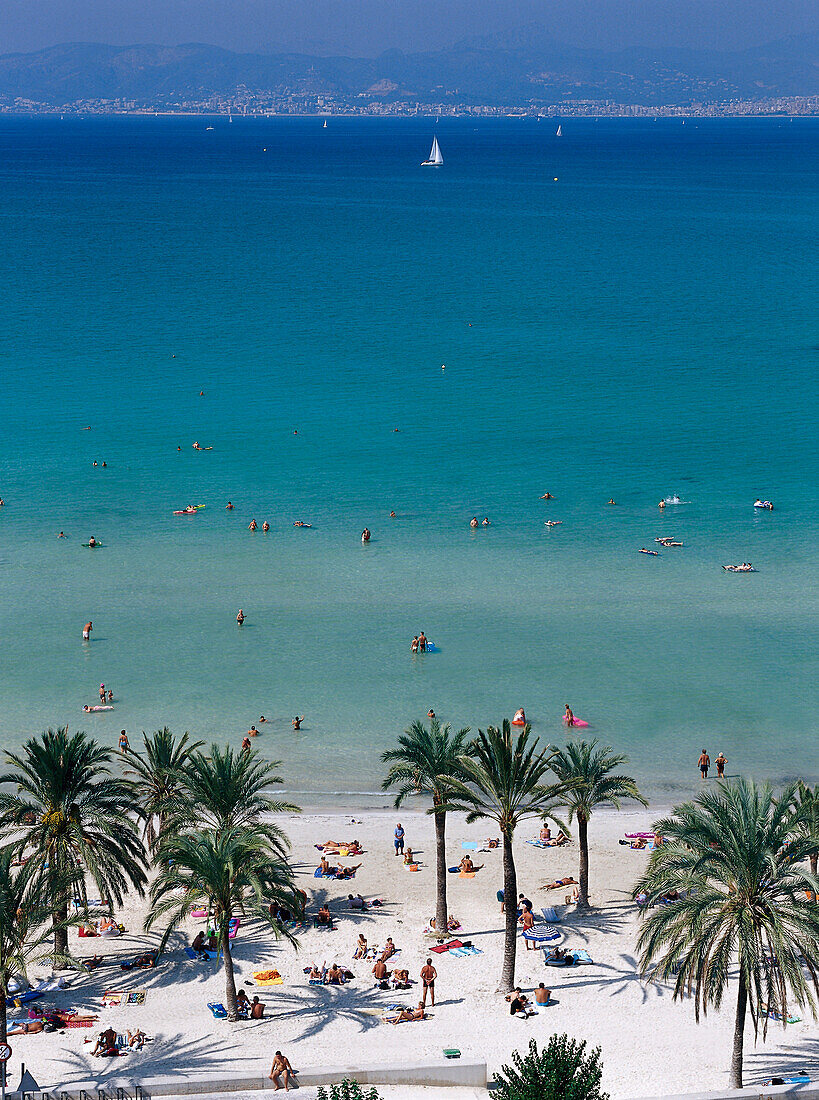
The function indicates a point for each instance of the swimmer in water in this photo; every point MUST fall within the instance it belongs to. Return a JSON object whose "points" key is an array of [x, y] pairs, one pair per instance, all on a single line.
{"points": [[252, 525], [196, 446], [612, 501], [245, 744], [92, 541], [547, 496], [229, 506], [86, 630], [240, 618], [569, 717], [61, 535], [473, 522], [262, 719], [661, 504], [102, 693], [265, 526], [392, 515], [485, 521], [430, 713], [365, 535], [297, 721], [253, 732]]}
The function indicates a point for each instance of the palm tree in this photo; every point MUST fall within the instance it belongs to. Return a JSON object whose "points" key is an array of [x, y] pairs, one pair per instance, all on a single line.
{"points": [[72, 816], [158, 778], [235, 871], [588, 769], [24, 929], [425, 761], [808, 820], [228, 788], [734, 854], [505, 783]]}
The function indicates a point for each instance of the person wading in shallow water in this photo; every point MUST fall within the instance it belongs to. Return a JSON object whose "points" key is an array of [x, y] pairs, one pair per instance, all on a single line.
{"points": [[704, 763]]}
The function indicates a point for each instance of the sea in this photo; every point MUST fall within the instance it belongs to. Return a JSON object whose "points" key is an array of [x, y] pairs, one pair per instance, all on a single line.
{"points": [[626, 312]]}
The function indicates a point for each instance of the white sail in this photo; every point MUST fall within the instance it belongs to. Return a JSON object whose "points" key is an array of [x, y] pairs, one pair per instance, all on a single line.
{"points": [[435, 155], [559, 131], [324, 127]]}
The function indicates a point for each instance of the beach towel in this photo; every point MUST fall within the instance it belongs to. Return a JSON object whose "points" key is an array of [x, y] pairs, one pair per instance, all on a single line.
{"points": [[774, 1014], [111, 998], [451, 1052], [469, 845], [467, 874], [453, 870], [268, 977], [219, 1012], [462, 952]]}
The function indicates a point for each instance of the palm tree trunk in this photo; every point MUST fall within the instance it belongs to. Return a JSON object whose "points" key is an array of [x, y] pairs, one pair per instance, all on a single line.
{"points": [[583, 842], [230, 978], [510, 899], [739, 1034], [441, 915], [58, 920], [3, 1018], [814, 860]]}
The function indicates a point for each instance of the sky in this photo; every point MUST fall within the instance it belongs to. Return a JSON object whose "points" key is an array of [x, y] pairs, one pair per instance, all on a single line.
{"points": [[368, 27]]}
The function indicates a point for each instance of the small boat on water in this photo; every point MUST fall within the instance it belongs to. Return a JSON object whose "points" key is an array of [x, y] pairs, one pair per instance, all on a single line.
{"points": [[435, 156], [559, 131], [324, 127]]}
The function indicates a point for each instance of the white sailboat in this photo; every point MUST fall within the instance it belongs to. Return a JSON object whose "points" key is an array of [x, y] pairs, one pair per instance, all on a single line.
{"points": [[435, 157], [324, 127], [559, 131]]}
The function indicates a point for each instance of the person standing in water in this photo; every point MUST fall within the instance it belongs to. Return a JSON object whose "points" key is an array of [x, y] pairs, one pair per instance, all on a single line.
{"points": [[704, 763], [86, 631], [123, 741], [240, 618], [720, 762], [568, 716]]}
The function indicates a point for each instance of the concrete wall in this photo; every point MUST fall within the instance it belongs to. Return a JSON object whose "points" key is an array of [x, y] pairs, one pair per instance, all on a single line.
{"points": [[452, 1072]]}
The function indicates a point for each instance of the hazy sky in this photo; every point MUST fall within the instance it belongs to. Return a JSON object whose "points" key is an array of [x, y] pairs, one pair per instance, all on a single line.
{"points": [[366, 27]]}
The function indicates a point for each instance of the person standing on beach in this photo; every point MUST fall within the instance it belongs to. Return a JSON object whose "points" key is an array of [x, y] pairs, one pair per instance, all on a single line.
{"points": [[86, 630], [398, 837], [428, 976], [720, 762], [705, 763]]}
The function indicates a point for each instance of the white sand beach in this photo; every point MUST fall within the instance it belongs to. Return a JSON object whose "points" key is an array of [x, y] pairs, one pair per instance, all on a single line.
{"points": [[604, 1003]]}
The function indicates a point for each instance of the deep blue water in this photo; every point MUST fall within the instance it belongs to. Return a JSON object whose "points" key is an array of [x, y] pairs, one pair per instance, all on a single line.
{"points": [[644, 325]]}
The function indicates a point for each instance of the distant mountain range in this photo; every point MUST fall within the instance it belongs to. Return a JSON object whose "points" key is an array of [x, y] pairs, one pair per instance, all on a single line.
{"points": [[521, 68]]}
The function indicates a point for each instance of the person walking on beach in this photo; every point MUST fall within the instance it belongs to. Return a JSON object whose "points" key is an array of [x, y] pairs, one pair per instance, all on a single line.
{"points": [[428, 976], [86, 631], [281, 1065], [705, 763], [398, 837], [720, 762]]}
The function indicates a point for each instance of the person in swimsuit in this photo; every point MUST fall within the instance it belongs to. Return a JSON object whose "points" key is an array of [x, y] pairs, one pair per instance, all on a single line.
{"points": [[542, 994], [398, 838], [392, 515], [245, 744], [297, 721], [265, 526], [612, 501], [280, 1066], [428, 976], [229, 507], [422, 642], [92, 541], [365, 535], [240, 618], [720, 762], [102, 693], [547, 496], [661, 504], [252, 525], [414, 644], [253, 732], [110, 696], [123, 741], [473, 522], [569, 716], [704, 764], [86, 630], [430, 713], [485, 521], [61, 535]]}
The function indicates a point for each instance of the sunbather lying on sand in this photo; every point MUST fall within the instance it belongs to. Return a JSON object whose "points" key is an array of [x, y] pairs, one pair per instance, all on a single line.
{"points": [[389, 950], [558, 882], [352, 846], [635, 844], [406, 1015], [401, 979]]}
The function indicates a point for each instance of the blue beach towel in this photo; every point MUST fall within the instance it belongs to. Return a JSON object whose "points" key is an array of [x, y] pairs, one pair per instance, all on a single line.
{"points": [[469, 845], [219, 1012]]}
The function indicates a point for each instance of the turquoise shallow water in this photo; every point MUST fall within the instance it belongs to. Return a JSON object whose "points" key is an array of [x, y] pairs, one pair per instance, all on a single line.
{"points": [[644, 326]]}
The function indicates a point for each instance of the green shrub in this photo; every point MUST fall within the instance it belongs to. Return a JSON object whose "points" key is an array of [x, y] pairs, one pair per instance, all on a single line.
{"points": [[561, 1071], [347, 1090]]}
